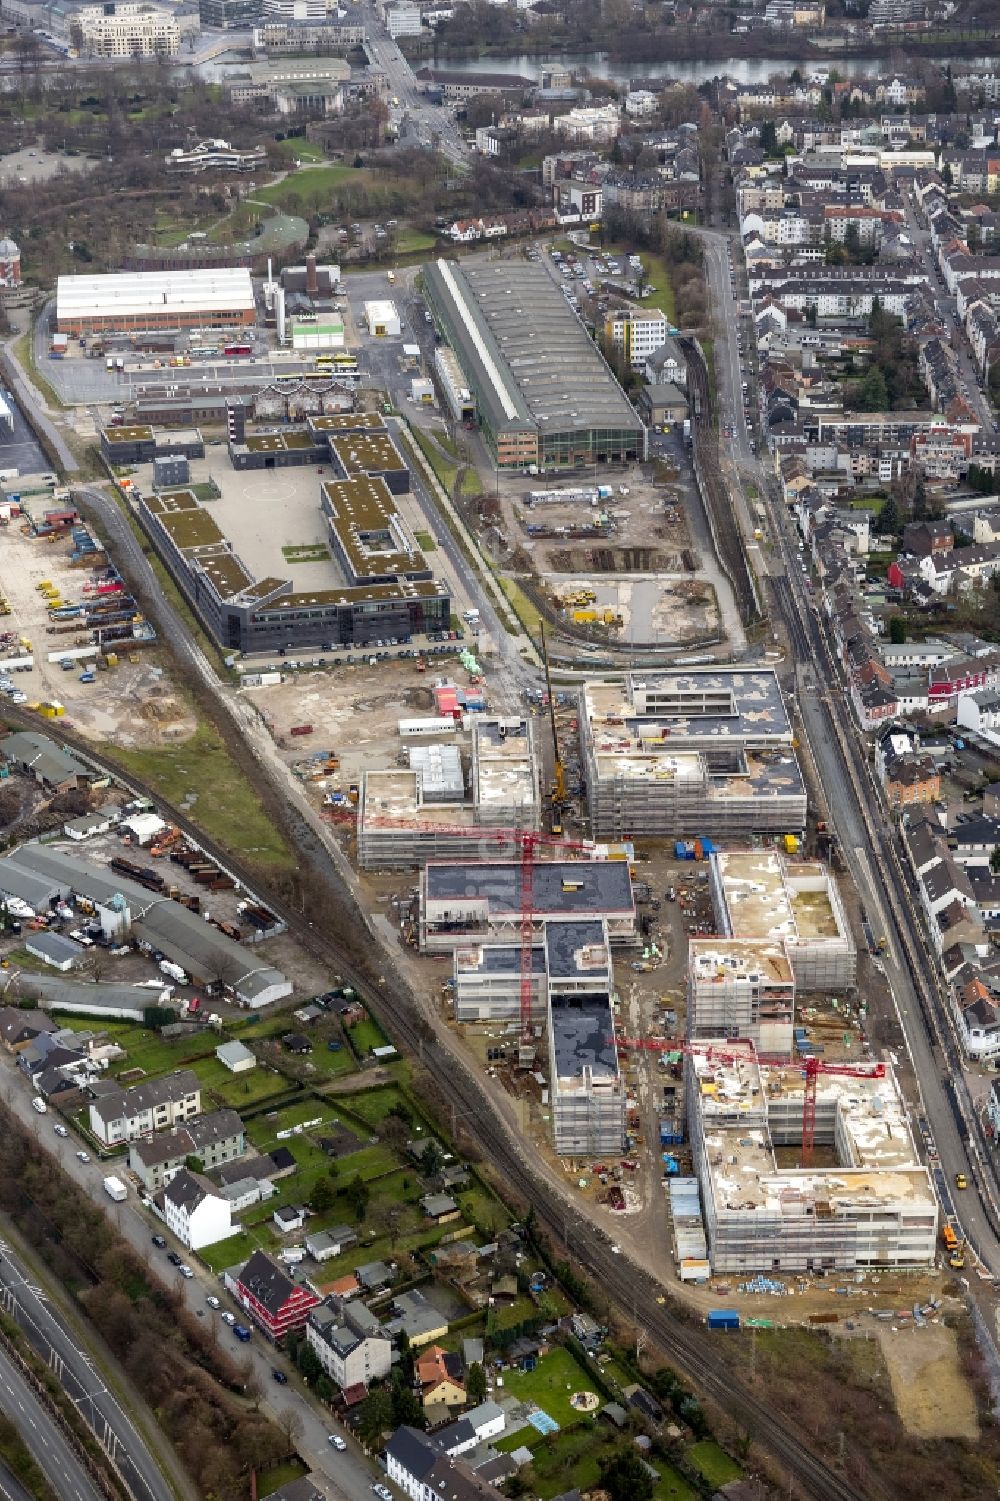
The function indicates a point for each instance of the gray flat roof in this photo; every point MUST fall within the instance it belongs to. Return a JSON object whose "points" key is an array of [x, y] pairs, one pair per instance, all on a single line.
{"points": [[502, 959], [576, 949], [536, 364], [559, 886], [583, 1036]]}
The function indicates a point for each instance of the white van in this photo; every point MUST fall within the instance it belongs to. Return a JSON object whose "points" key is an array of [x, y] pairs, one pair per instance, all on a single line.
{"points": [[39, 1104]]}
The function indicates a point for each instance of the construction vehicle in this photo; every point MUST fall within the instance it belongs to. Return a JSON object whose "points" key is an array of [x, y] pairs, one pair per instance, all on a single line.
{"points": [[558, 789]]}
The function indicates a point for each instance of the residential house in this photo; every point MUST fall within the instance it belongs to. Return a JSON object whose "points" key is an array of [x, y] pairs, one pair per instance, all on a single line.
{"points": [[440, 1208], [349, 1342], [440, 1374], [121, 1115], [666, 365], [417, 1318], [273, 1300], [416, 1464], [195, 1210], [19, 1028]]}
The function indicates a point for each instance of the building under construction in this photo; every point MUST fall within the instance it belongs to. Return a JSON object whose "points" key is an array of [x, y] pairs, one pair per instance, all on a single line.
{"points": [[571, 982], [407, 816], [586, 1090], [740, 987], [764, 896], [708, 751], [877, 1207], [463, 902]]}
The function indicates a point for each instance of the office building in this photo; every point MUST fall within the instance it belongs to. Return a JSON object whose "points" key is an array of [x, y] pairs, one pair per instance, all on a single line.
{"points": [[464, 902], [636, 333], [764, 896], [115, 30]]}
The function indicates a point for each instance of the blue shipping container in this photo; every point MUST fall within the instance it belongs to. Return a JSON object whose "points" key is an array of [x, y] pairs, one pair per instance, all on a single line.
{"points": [[723, 1318]]}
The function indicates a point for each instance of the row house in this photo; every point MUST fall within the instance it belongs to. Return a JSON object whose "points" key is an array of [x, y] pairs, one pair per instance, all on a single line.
{"points": [[961, 674], [867, 221], [349, 1342], [962, 568], [982, 328], [910, 779], [121, 1115]]}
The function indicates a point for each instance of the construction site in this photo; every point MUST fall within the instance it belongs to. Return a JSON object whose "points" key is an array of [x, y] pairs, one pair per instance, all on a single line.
{"points": [[873, 1206], [706, 751]]}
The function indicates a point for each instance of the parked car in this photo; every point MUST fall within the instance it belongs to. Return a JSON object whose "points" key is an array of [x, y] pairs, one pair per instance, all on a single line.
{"points": [[60, 1130], [185, 1270], [229, 1318], [213, 1301], [279, 1376], [174, 1259], [85, 1157], [337, 1442], [159, 1240]]}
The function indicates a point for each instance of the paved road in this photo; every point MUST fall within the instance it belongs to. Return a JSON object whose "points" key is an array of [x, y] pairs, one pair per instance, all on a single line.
{"points": [[349, 1472], [435, 125], [842, 763], [946, 303], [24, 1301], [43, 1436], [11, 1488]]}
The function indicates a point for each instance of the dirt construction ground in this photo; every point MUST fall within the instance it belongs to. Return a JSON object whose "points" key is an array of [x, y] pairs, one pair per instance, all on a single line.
{"points": [[132, 704], [933, 1398]]}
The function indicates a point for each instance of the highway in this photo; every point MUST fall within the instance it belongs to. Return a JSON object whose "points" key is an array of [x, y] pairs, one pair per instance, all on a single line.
{"points": [[44, 1437], [23, 1301]]}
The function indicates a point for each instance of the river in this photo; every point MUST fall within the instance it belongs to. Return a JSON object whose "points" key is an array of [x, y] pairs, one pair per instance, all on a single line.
{"points": [[687, 70]]}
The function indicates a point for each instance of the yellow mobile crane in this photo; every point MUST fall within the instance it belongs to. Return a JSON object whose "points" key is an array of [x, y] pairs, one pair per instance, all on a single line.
{"points": [[557, 792]]}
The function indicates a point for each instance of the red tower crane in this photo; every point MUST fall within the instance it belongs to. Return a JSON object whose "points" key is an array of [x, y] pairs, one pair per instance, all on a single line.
{"points": [[811, 1067], [522, 841]]}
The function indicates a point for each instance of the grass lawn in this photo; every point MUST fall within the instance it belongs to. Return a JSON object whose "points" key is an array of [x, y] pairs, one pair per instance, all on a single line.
{"points": [[373, 1105], [309, 185], [480, 1208], [550, 1386], [263, 1129], [447, 473], [659, 277], [238, 1090], [225, 805], [425, 542], [298, 147], [270, 1480], [234, 1250], [522, 606], [470, 486], [714, 1463], [572, 1461], [414, 242], [366, 1035]]}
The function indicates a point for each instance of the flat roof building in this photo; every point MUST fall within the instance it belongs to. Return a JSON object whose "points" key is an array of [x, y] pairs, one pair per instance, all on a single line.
{"points": [[221, 297], [586, 1090], [543, 393], [704, 752], [388, 588], [764, 896], [740, 987], [877, 1207], [402, 821], [465, 901]]}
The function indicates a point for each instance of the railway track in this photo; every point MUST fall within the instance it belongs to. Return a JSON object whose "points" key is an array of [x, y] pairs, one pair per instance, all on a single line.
{"points": [[721, 515], [341, 941]]}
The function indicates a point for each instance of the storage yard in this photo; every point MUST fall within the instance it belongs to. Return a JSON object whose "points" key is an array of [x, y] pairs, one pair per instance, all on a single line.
{"points": [[61, 597]]}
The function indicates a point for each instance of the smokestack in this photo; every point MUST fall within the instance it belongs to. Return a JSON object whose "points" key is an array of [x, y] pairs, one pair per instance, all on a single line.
{"points": [[312, 280]]}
